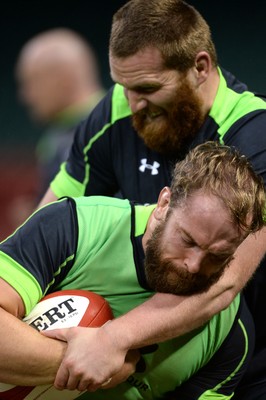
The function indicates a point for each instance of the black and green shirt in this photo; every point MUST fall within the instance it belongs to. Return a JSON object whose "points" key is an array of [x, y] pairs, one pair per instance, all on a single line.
{"points": [[95, 243], [108, 156]]}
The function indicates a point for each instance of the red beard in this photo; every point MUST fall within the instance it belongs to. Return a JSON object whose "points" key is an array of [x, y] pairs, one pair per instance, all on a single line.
{"points": [[169, 133]]}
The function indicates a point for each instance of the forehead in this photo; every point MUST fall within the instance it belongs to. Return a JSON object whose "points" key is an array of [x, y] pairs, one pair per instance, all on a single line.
{"points": [[144, 67], [206, 220]]}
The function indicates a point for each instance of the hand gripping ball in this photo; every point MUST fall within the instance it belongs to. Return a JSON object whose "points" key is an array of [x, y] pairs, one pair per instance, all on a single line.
{"points": [[62, 309]]}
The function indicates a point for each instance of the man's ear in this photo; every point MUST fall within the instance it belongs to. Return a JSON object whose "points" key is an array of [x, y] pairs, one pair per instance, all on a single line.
{"points": [[162, 204], [202, 66]]}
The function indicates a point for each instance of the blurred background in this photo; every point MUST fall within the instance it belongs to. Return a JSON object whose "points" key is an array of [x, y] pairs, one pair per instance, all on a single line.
{"points": [[238, 32]]}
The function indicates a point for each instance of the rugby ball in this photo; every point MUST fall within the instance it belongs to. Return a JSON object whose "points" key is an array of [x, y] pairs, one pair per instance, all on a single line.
{"points": [[62, 309]]}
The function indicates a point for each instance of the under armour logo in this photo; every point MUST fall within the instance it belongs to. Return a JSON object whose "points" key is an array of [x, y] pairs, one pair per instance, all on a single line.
{"points": [[153, 168]]}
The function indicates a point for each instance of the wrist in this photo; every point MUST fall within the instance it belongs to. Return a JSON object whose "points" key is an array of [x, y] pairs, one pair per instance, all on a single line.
{"points": [[115, 332]]}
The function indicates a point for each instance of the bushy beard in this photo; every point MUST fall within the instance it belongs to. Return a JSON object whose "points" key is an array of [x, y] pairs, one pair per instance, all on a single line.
{"points": [[172, 132], [165, 277]]}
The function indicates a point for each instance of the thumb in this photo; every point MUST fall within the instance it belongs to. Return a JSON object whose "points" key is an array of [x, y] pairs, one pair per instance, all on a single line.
{"points": [[60, 334]]}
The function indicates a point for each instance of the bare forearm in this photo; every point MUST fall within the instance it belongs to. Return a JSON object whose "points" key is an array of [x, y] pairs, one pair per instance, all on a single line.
{"points": [[161, 318], [26, 357], [167, 316]]}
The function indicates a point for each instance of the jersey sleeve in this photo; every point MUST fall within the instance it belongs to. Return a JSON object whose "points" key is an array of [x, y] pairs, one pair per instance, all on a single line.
{"points": [[89, 168], [41, 251]]}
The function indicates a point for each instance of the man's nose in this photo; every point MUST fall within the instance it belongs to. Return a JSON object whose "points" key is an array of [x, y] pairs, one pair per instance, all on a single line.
{"points": [[135, 100], [194, 260]]}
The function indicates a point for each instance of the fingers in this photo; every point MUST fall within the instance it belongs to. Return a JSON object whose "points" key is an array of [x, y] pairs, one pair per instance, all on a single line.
{"points": [[129, 368], [82, 385], [62, 378], [77, 371], [67, 378]]}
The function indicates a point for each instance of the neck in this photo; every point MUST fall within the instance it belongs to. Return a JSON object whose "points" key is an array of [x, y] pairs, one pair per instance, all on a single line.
{"points": [[209, 89]]}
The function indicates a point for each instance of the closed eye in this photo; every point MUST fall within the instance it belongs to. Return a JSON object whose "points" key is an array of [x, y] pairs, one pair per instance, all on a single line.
{"points": [[222, 258], [188, 242], [144, 89]]}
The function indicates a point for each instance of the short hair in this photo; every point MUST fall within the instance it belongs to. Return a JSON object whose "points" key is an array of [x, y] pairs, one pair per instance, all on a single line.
{"points": [[222, 171], [174, 27]]}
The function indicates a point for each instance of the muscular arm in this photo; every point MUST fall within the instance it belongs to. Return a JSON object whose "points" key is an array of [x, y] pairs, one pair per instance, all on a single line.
{"points": [[27, 357], [166, 316], [158, 319]]}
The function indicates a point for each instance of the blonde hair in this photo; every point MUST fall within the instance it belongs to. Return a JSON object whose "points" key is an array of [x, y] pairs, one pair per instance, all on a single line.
{"points": [[222, 171]]}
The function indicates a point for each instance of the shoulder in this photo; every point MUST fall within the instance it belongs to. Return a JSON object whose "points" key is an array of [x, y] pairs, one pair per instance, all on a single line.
{"points": [[101, 208], [235, 106], [114, 103]]}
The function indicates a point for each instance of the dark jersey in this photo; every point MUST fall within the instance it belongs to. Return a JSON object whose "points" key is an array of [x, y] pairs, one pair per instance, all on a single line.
{"points": [[108, 156]]}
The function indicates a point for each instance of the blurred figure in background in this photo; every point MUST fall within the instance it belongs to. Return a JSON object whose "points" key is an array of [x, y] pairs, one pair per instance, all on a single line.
{"points": [[59, 82]]}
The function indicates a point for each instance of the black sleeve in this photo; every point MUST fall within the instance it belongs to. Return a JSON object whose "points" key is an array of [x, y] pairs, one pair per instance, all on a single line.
{"points": [[90, 159], [46, 243], [248, 135]]}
